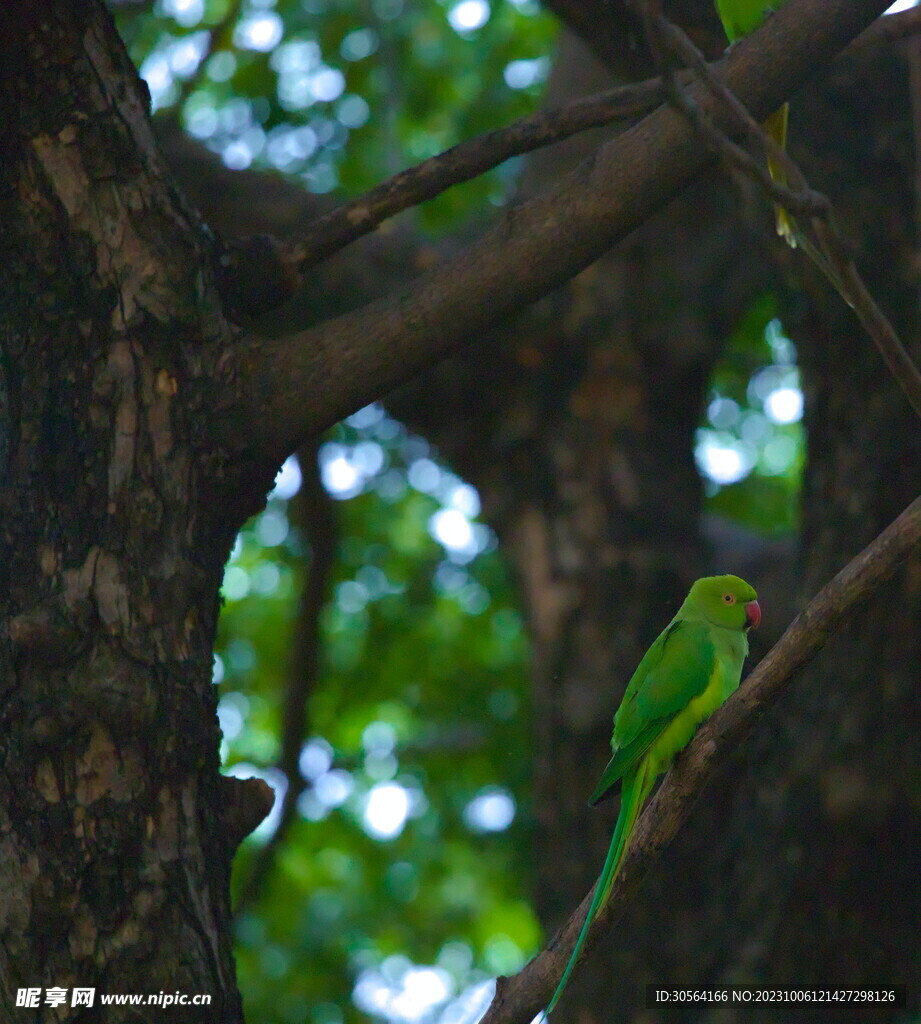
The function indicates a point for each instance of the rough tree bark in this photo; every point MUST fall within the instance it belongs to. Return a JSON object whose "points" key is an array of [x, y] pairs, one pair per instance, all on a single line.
{"points": [[117, 515]]}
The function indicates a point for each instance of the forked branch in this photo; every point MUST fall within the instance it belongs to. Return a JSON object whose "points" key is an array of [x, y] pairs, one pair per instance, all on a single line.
{"points": [[472, 157], [299, 384]]}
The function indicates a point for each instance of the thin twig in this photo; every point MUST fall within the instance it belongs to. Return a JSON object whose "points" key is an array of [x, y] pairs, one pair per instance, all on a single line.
{"points": [[519, 998], [800, 199], [831, 254], [874, 320], [465, 161]]}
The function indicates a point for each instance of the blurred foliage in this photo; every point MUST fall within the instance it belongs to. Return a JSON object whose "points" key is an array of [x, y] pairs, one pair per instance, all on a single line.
{"points": [[341, 94], [418, 750], [401, 889], [751, 447]]}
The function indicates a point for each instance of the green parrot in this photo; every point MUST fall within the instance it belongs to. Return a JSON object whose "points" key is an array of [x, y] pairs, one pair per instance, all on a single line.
{"points": [[740, 18], [688, 672]]}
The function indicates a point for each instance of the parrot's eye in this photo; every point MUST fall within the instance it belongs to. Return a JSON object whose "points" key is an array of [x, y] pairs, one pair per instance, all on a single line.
{"points": [[729, 599]]}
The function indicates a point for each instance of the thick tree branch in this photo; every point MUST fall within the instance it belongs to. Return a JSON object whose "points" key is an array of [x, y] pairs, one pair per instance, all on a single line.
{"points": [[518, 999], [605, 25], [300, 384], [885, 32]]}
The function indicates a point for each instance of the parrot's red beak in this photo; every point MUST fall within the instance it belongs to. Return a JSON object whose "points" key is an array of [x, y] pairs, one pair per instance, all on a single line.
{"points": [[753, 614]]}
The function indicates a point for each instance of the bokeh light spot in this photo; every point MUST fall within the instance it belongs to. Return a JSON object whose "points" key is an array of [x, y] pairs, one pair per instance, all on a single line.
{"points": [[231, 715], [187, 13], [316, 758], [334, 787], [784, 405], [379, 739], [468, 15], [424, 475], [261, 32], [287, 479], [272, 528], [386, 810], [491, 810], [221, 66], [503, 955], [327, 84], [359, 44], [724, 462], [340, 477], [402, 991], [353, 111], [723, 413], [522, 74], [453, 530], [236, 583]]}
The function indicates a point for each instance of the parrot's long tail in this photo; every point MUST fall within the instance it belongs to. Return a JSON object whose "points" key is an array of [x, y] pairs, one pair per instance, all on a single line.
{"points": [[776, 127], [634, 790], [787, 228]]}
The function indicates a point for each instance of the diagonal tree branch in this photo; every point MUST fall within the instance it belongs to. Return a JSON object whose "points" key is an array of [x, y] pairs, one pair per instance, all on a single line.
{"points": [[299, 384], [847, 279], [885, 32], [259, 273], [465, 161], [603, 25], [519, 998]]}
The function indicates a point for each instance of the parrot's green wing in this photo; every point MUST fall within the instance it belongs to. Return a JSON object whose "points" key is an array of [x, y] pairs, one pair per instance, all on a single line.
{"points": [[675, 670], [625, 758]]}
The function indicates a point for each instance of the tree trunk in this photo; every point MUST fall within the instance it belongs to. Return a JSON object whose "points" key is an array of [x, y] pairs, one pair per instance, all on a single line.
{"points": [[115, 844]]}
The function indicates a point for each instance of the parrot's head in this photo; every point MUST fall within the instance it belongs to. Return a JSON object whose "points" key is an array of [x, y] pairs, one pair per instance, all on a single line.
{"points": [[726, 601]]}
